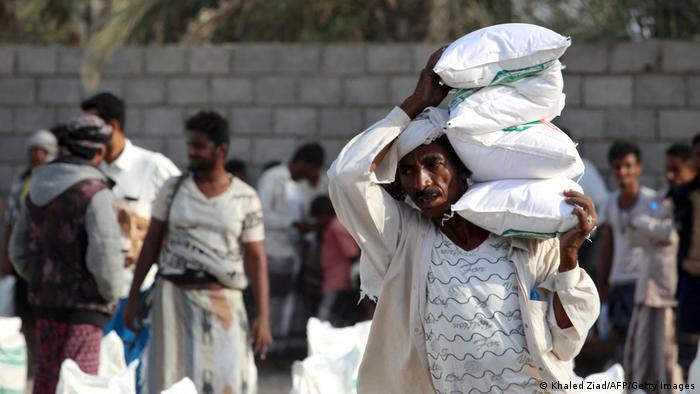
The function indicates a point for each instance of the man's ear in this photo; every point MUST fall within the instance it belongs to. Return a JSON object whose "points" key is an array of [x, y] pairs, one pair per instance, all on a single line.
{"points": [[115, 125]]}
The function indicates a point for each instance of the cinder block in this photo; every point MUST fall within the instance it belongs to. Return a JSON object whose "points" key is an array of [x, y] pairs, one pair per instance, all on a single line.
{"points": [[660, 90], [6, 178], [231, 90], [165, 60], [133, 122], [332, 149], [59, 91], [241, 149], [597, 152], [36, 60], [266, 150], [373, 115], [125, 61], [635, 56], [188, 91], [275, 90], [13, 150], [341, 121], [401, 87], [145, 91], [7, 59], [343, 59], [17, 91], [607, 91], [152, 144], [572, 89], [254, 58], [421, 54], [5, 120], [390, 57], [366, 90], [323, 91], [653, 156], [631, 124], [209, 60], [251, 120], [694, 91], [298, 58], [583, 123], [680, 56], [112, 85], [65, 114], [586, 58], [163, 121], [297, 121], [30, 119], [679, 124], [70, 60], [176, 149]]}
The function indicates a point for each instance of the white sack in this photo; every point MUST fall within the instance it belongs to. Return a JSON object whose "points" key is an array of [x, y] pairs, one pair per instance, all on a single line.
{"points": [[520, 208], [112, 360], [185, 386], [499, 53], [13, 356], [537, 150], [538, 97], [334, 359]]}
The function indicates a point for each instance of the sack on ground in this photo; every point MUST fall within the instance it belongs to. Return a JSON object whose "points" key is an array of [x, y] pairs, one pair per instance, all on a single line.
{"points": [[520, 208], [499, 53], [482, 110], [334, 359], [536, 150], [13, 356], [113, 377]]}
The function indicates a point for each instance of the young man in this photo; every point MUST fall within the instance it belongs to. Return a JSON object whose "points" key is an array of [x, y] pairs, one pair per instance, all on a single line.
{"points": [[686, 201], [620, 261], [66, 245], [284, 197], [651, 350], [458, 308], [214, 226], [138, 175]]}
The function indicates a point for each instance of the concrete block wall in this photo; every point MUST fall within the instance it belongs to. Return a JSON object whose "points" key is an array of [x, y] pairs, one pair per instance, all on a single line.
{"points": [[278, 96]]}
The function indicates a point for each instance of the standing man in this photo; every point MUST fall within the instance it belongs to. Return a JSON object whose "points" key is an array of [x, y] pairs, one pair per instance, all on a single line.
{"points": [[138, 175], [66, 245], [686, 201], [651, 348], [205, 226], [620, 261], [458, 308], [42, 148], [284, 200]]}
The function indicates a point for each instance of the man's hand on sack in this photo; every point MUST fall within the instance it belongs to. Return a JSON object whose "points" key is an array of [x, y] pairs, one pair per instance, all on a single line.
{"points": [[429, 92], [571, 241], [261, 336], [133, 314]]}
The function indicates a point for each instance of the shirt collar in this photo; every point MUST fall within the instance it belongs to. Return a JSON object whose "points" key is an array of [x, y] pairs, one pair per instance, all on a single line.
{"points": [[126, 159], [520, 243]]}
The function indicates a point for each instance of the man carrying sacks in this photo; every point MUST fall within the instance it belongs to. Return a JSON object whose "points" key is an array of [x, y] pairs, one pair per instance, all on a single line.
{"points": [[458, 307]]}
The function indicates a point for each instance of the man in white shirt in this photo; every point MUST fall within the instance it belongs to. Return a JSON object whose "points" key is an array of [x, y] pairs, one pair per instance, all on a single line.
{"points": [[138, 175], [285, 194], [458, 308]]}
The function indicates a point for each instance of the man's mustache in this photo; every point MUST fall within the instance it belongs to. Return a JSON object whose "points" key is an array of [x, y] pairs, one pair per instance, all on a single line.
{"points": [[432, 192]]}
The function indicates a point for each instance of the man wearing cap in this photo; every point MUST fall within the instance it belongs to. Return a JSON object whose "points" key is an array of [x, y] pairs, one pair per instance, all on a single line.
{"points": [[138, 175], [66, 245], [41, 148], [459, 309]]}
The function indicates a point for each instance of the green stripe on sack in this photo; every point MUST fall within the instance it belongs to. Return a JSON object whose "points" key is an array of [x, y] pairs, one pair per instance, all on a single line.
{"points": [[508, 76], [459, 97], [528, 234], [523, 126], [13, 356], [5, 390]]}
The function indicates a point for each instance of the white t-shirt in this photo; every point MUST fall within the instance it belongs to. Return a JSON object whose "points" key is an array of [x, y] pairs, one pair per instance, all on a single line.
{"points": [[626, 259], [473, 325], [207, 234]]}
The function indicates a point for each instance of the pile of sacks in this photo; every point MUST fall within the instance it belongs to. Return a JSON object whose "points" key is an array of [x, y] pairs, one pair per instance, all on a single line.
{"points": [[509, 87]]}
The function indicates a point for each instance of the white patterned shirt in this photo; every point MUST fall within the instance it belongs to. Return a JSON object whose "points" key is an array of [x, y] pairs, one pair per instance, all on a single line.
{"points": [[473, 325]]}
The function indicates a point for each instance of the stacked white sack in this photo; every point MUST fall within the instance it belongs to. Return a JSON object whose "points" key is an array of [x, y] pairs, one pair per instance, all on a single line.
{"points": [[499, 126]]}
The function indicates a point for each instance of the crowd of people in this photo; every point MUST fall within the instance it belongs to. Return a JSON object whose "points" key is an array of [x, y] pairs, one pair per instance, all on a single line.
{"points": [[197, 271]]}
